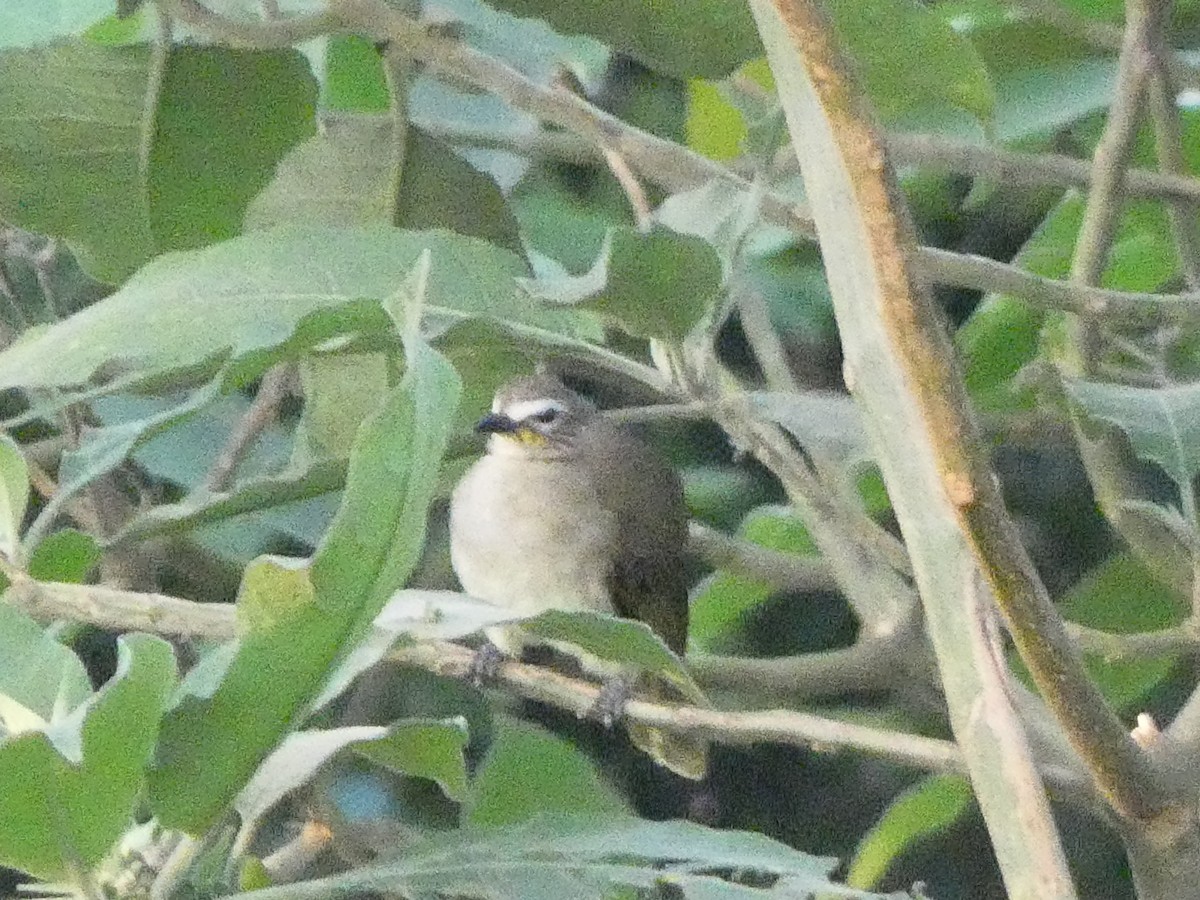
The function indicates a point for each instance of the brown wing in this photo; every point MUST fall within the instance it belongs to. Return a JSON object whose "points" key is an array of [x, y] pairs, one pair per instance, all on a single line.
{"points": [[648, 580]]}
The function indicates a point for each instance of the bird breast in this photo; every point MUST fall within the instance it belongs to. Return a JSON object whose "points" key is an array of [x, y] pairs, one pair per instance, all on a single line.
{"points": [[531, 535]]}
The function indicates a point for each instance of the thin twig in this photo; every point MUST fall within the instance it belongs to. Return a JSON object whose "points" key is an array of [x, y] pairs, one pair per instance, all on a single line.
{"points": [[783, 571], [777, 725], [634, 192], [272, 391], [1168, 136]]}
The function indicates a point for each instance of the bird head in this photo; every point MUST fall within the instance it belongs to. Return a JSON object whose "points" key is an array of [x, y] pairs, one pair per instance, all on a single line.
{"points": [[535, 415]]}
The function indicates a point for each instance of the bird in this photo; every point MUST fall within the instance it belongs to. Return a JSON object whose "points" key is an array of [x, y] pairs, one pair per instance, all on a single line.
{"points": [[568, 510]]}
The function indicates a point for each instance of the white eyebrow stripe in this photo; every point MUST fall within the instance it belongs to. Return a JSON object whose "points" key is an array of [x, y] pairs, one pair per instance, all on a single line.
{"points": [[527, 408]]}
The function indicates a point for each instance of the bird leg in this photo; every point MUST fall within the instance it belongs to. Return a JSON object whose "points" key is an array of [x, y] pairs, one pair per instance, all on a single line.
{"points": [[609, 707]]}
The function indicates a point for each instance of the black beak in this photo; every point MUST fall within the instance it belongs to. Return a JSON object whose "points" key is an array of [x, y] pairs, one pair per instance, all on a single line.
{"points": [[495, 423]]}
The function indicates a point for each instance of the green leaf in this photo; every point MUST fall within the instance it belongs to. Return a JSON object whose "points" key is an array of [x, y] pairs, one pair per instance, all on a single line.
{"points": [[822, 421], [346, 176], [40, 679], [529, 772], [622, 641], [103, 449], [930, 806], [587, 858], [656, 285], [1163, 424], [212, 744], [720, 608], [71, 155], [67, 555], [1120, 595], [354, 76], [67, 790], [424, 749], [707, 38], [248, 297], [26, 23], [909, 57], [14, 496], [225, 119], [340, 392]]}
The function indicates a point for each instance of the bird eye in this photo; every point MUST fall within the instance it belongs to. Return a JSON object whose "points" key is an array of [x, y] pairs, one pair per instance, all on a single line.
{"points": [[549, 414]]}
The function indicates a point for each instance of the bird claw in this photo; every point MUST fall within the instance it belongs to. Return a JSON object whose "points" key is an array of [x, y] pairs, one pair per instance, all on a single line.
{"points": [[609, 706], [485, 664]]}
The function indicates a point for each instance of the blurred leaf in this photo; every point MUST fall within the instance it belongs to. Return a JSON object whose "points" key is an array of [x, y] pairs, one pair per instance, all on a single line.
{"points": [[1121, 595], [40, 679], [346, 176], [714, 126], [67, 555], [424, 749], [340, 391], [70, 157], [27, 23], [927, 808], [587, 859], [823, 421], [728, 598], [656, 285], [274, 590], [909, 57], [251, 296], [67, 790], [1163, 424], [225, 118], [14, 496], [354, 76], [704, 38], [103, 449], [211, 745], [529, 772], [622, 641], [1044, 78]]}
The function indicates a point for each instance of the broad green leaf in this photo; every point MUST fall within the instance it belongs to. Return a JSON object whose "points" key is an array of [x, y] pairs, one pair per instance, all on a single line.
{"points": [[909, 57], [1163, 424], [103, 449], [211, 745], [621, 641], [40, 679], [707, 38], [588, 858], [27, 23], [67, 790], [528, 772], [714, 125], [346, 176], [1120, 595], [424, 749], [71, 154], [340, 392], [656, 285], [67, 555], [720, 608], [354, 76], [14, 496], [225, 119], [249, 297], [925, 809]]}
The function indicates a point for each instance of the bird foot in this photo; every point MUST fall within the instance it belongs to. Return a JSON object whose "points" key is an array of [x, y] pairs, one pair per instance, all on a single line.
{"points": [[609, 707], [485, 664]]}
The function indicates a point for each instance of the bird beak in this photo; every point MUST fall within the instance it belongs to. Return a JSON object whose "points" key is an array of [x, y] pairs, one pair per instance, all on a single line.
{"points": [[496, 423]]}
